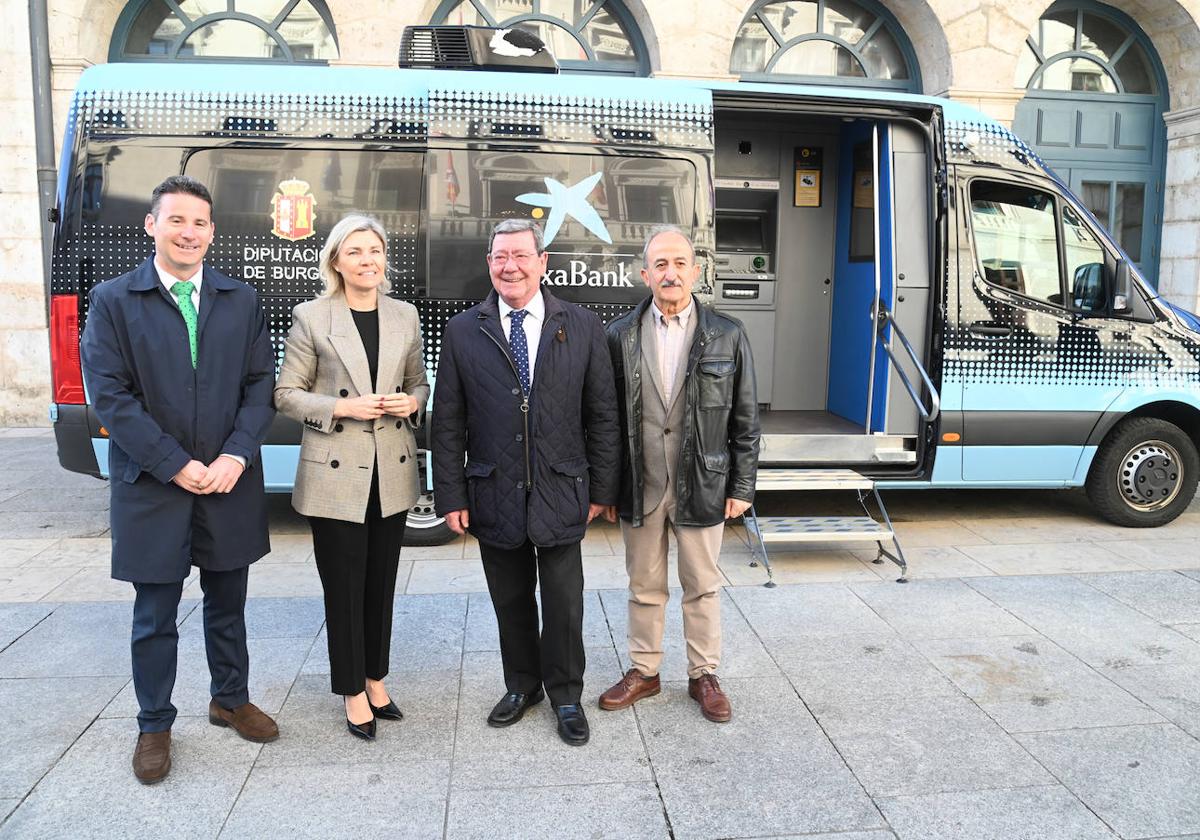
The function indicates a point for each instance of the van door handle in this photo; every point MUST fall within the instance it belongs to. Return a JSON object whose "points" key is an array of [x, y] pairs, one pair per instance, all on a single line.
{"points": [[990, 330]]}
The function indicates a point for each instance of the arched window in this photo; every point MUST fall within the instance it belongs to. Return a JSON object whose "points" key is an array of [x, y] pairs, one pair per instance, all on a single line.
{"points": [[854, 42], [242, 30], [1083, 51], [1095, 96], [584, 35]]}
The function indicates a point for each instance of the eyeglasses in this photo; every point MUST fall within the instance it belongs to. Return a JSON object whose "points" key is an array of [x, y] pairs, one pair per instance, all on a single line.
{"points": [[521, 258]]}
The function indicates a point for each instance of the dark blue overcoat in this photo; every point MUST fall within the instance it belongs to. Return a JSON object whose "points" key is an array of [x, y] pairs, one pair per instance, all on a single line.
{"points": [[160, 413]]}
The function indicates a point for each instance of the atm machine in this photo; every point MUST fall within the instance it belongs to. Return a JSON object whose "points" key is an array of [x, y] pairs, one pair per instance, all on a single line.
{"points": [[745, 271]]}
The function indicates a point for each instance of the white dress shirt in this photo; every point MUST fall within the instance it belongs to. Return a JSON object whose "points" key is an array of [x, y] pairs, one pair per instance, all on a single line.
{"points": [[670, 333], [535, 317], [196, 279]]}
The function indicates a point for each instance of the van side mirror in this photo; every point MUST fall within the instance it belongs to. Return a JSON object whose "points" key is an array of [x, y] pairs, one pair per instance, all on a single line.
{"points": [[1122, 287]]}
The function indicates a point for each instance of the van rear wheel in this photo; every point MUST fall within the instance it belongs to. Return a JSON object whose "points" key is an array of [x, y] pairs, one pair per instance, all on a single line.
{"points": [[424, 526], [1144, 473]]}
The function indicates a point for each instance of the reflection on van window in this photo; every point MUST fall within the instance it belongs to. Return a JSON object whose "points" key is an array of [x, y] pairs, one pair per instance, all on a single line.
{"points": [[1016, 240], [1085, 264]]}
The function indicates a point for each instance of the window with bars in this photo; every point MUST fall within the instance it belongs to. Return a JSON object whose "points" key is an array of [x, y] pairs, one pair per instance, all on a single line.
{"points": [[286, 31], [824, 41], [584, 35]]}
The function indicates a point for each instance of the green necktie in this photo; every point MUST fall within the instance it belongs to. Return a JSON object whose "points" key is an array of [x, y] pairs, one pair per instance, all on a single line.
{"points": [[183, 293]]}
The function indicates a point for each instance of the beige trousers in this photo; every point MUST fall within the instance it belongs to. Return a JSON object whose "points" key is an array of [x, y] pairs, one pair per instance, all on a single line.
{"points": [[646, 563]]}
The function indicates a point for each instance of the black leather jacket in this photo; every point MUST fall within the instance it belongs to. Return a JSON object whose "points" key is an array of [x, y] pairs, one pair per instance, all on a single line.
{"points": [[718, 457]]}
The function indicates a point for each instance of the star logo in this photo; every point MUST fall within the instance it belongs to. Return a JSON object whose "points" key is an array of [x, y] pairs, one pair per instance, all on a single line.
{"points": [[566, 201]]}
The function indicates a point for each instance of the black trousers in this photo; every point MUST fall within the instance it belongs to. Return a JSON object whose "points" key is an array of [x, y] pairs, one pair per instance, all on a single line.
{"points": [[155, 644], [554, 657], [357, 563]]}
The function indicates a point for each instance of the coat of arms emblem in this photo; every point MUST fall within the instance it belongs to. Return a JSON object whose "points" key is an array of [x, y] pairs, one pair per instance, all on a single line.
{"points": [[292, 209]]}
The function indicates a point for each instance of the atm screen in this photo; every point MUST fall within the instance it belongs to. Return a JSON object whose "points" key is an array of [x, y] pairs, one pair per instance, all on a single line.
{"points": [[739, 233]]}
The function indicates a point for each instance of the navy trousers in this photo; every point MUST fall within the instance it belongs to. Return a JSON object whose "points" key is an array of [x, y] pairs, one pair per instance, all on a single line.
{"points": [[155, 644], [553, 657]]}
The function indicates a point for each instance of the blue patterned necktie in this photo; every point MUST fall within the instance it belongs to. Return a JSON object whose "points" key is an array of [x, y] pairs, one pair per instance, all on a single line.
{"points": [[519, 347], [183, 294]]}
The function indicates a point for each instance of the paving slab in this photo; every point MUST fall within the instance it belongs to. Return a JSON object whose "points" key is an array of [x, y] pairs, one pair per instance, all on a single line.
{"points": [[798, 566], [1165, 596], [1192, 631], [40, 718], [925, 563], [1176, 553], [586, 812], [76, 640], [62, 500], [742, 652], [7, 806], [1048, 528], [1033, 813], [274, 618], [208, 767], [938, 609], [289, 548], [822, 609], [15, 553], [857, 669], [18, 619], [326, 801], [1029, 684], [926, 745], [92, 584], [1038, 557], [274, 664], [449, 576], [1172, 690], [530, 753], [482, 633], [1141, 780], [1082, 620], [31, 584], [40, 525]]}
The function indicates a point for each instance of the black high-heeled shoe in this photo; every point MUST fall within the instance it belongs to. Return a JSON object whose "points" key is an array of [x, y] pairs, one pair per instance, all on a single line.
{"points": [[388, 712], [366, 731]]}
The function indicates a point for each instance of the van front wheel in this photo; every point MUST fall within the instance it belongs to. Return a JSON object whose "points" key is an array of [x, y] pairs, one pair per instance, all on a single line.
{"points": [[1144, 473], [424, 526]]}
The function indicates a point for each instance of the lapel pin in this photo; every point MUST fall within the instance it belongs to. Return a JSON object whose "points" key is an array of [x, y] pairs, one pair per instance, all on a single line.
{"points": [[561, 335]]}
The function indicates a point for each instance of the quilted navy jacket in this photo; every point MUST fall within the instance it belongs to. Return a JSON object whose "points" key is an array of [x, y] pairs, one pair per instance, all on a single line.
{"points": [[525, 470]]}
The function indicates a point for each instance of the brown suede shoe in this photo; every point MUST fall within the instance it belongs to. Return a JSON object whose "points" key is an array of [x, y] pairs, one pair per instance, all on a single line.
{"points": [[706, 691], [249, 721], [152, 757], [631, 688]]}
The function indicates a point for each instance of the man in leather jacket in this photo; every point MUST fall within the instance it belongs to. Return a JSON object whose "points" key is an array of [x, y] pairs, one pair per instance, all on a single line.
{"points": [[690, 433]]}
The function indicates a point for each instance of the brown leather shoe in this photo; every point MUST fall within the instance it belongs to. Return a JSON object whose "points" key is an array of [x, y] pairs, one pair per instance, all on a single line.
{"points": [[706, 691], [152, 757], [249, 721], [631, 688]]}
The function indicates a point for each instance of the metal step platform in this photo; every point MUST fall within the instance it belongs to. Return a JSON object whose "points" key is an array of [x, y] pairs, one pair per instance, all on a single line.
{"points": [[794, 529]]}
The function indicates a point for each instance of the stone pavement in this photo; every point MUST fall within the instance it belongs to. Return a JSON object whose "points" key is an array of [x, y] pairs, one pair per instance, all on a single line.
{"points": [[1039, 678]]}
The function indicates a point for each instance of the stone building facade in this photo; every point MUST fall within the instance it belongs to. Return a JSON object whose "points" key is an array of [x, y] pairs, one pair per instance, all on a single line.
{"points": [[975, 51]]}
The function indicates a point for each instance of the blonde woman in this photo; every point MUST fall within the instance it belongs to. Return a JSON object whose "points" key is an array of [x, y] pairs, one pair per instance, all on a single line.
{"points": [[353, 373]]}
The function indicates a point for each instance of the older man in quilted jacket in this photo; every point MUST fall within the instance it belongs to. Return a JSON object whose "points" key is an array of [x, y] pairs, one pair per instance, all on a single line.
{"points": [[526, 454]]}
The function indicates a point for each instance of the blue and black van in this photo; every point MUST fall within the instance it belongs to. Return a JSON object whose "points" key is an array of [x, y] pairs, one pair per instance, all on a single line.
{"points": [[929, 305]]}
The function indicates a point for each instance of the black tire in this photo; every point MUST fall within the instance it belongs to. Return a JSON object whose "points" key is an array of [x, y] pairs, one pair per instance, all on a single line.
{"points": [[1144, 473], [424, 526]]}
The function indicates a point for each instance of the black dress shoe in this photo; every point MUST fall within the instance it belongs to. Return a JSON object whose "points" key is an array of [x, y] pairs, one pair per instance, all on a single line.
{"points": [[512, 706], [572, 725], [388, 712], [366, 731]]}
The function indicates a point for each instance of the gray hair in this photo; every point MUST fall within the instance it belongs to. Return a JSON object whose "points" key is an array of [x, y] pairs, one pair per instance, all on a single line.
{"points": [[351, 224], [659, 230], [518, 226]]}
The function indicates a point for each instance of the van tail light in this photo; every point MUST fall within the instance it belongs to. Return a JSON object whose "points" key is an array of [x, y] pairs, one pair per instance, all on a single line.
{"points": [[64, 349]]}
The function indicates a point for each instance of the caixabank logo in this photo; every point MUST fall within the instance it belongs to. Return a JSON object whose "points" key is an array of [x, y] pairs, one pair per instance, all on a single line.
{"points": [[562, 201]]}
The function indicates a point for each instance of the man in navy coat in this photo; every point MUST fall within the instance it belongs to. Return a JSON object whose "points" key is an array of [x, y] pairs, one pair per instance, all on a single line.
{"points": [[526, 452], [178, 366]]}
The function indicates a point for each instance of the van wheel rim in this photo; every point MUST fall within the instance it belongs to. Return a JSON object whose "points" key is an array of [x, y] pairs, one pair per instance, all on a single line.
{"points": [[422, 515], [1150, 475]]}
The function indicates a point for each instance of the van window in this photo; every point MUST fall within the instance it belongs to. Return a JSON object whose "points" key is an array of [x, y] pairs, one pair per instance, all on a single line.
{"points": [[595, 234], [1016, 239], [1085, 264], [274, 207]]}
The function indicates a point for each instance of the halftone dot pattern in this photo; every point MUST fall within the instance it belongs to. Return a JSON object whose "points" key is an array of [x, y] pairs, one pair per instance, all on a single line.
{"points": [[519, 346]]}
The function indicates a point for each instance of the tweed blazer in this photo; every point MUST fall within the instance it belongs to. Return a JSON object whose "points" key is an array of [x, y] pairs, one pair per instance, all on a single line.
{"points": [[324, 360]]}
